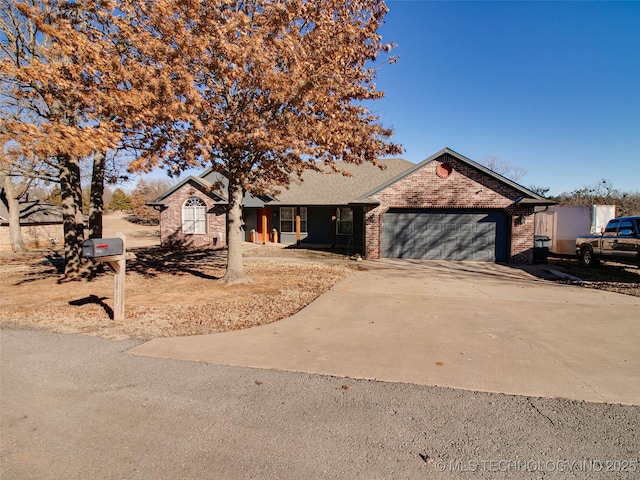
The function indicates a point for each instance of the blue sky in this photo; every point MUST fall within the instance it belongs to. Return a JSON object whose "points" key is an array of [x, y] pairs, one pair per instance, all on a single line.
{"points": [[553, 87]]}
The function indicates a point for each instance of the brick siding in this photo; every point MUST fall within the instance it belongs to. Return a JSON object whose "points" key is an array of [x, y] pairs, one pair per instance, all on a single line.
{"points": [[171, 234], [466, 188]]}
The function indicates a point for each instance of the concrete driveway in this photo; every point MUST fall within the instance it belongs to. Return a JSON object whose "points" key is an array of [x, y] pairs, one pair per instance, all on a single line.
{"points": [[466, 325]]}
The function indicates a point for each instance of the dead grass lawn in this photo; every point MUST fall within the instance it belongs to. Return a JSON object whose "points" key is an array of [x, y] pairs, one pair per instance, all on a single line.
{"points": [[167, 293]]}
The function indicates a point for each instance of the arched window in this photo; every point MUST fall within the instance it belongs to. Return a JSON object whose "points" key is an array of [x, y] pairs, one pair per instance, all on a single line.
{"points": [[194, 216]]}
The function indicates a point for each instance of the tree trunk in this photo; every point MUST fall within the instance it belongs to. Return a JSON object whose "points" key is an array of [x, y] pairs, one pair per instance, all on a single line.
{"points": [[73, 221], [235, 270], [96, 206], [13, 205]]}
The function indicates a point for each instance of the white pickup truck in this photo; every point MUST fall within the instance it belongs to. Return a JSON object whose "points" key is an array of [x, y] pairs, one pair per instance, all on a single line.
{"points": [[620, 242]]}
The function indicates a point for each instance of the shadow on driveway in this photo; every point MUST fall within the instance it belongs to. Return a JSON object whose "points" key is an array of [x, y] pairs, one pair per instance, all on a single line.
{"points": [[468, 325]]}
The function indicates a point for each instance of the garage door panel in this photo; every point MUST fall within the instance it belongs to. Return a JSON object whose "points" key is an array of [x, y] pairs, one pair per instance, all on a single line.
{"points": [[453, 235]]}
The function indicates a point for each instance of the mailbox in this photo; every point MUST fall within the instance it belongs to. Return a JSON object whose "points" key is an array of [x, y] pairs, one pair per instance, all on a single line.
{"points": [[102, 247]]}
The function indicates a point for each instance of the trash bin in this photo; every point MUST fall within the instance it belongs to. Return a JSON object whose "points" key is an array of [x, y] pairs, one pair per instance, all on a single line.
{"points": [[541, 244]]}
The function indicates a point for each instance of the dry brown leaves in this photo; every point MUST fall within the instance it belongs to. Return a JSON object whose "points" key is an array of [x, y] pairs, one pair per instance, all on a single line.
{"points": [[610, 276], [161, 304]]}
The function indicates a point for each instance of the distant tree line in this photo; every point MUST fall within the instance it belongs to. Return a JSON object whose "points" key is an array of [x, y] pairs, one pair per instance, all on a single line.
{"points": [[133, 202], [601, 192]]}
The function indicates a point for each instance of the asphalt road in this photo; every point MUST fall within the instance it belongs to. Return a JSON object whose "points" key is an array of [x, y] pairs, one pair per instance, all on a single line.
{"points": [[79, 407]]}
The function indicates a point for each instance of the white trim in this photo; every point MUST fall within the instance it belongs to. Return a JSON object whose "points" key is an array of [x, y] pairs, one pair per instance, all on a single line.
{"points": [[194, 216]]}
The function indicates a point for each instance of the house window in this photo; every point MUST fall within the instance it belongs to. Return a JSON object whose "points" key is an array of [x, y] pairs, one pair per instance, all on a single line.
{"points": [[288, 219], [194, 216], [344, 221]]}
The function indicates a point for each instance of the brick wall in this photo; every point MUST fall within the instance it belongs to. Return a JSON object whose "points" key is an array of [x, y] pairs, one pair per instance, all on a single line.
{"points": [[522, 234], [465, 187], [171, 221]]}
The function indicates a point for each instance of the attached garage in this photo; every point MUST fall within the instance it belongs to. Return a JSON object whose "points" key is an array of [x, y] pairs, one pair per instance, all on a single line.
{"points": [[479, 235], [448, 207]]}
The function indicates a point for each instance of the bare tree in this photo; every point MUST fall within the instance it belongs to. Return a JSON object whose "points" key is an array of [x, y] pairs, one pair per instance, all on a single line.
{"points": [[629, 204], [504, 168], [12, 193], [542, 191], [603, 192], [16, 178]]}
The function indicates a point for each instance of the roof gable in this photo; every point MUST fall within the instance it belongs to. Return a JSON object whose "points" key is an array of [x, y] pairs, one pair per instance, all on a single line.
{"points": [[218, 179], [212, 184], [528, 195], [202, 184]]}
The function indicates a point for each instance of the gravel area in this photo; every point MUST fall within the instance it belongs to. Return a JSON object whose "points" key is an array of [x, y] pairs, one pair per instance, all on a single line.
{"points": [[610, 276]]}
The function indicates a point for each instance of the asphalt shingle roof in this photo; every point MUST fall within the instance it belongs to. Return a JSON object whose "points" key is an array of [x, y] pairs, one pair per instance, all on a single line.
{"points": [[327, 188], [315, 188]]}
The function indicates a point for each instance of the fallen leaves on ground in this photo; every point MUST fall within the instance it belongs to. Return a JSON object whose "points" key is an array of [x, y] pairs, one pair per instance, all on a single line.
{"points": [[163, 303], [610, 276]]}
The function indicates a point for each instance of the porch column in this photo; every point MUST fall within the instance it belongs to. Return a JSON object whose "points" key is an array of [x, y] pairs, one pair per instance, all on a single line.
{"points": [[265, 233], [297, 225]]}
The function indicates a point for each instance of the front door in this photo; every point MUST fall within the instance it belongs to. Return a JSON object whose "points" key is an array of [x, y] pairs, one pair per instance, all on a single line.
{"points": [[264, 220]]}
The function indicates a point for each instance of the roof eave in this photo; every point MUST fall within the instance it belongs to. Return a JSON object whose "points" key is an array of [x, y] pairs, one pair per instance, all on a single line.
{"points": [[199, 181], [364, 202], [533, 202], [462, 158]]}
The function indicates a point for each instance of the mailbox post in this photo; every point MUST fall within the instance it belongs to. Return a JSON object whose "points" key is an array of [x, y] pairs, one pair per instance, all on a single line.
{"points": [[98, 248], [111, 251]]}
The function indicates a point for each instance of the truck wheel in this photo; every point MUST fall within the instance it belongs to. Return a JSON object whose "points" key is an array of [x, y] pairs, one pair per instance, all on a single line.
{"points": [[587, 258]]}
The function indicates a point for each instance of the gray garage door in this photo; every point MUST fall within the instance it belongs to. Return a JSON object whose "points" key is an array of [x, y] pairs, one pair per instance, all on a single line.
{"points": [[445, 235]]}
